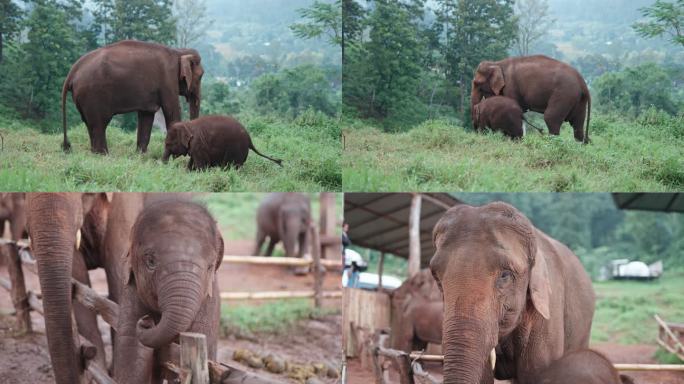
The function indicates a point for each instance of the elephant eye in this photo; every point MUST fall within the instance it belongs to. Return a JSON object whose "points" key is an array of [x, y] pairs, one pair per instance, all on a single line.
{"points": [[504, 278], [150, 261]]}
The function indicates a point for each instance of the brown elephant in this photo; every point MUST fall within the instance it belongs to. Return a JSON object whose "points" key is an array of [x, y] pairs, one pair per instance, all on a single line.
{"points": [[509, 286], [210, 141], [540, 84], [416, 313], [53, 222], [584, 366], [286, 217], [170, 286], [132, 76], [13, 210], [499, 113]]}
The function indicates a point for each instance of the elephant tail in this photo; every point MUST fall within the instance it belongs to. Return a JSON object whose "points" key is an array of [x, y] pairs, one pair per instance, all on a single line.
{"points": [[66, 145], [586, 130], [277, 161]]}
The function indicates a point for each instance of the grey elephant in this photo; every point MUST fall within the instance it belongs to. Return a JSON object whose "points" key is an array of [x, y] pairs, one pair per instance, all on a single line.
{"points": [[169, 286], [284, 217], [585, 366], [499, 113]]}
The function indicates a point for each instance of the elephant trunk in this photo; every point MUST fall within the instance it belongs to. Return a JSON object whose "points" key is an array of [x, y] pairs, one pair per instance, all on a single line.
{"points": [[165, 157], [52, 222], [194, 105], [475, 98], [467, 343], [291, 224], [180, 298]]}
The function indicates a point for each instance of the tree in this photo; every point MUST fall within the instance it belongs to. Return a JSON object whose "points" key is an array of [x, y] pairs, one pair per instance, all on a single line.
{"points": [[473, 31], [664, 18], [353, 16], [533, 22], [145, 20], [323, 19], [191, 22], [10, 22]]}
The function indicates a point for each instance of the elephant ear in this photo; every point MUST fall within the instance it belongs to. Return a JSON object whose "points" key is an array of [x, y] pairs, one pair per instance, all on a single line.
{"points": [[496, 79], [219, 242], [540, 289], [186, 70]]}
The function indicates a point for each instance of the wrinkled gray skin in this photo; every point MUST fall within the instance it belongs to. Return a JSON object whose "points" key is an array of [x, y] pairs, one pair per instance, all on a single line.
{"points": [[170, 286], [13, 210], [507, 285], [585, 366], [417, 313], [286, 217]]}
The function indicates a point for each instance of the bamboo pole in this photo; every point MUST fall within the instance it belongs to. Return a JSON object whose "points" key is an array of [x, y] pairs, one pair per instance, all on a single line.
{"points": [[193, 356], [276, 260], [381, 265]]}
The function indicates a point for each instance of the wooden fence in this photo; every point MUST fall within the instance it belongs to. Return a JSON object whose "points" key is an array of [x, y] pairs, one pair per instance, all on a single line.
{"points": [[194, 366]]}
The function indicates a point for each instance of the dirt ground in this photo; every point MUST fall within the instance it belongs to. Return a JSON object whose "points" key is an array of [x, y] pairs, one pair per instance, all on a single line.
{"points": [[617, 353], [24, 359]]}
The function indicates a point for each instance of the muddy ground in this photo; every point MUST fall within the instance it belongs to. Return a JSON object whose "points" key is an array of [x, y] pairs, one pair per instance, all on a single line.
{"points": [[24, 359]]}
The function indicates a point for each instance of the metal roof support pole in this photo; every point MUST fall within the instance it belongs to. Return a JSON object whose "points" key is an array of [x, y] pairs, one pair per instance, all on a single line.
{"points": [[414, 235]]}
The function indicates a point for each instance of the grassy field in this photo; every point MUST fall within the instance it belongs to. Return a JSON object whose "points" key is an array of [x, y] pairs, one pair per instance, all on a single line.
{"points": [[309, 147], [646, 154], [625, 309]]}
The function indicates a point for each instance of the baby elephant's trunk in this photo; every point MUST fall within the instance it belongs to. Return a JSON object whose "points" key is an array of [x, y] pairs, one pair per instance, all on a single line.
{"points": [[251, 146]]}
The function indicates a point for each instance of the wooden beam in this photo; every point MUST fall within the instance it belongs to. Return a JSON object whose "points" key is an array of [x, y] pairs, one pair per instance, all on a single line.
{"points": [[381, 265], [414, 236], [99, 375], [317, 269], [87, 296], [193, 356], [275, 260], [271, 295]]}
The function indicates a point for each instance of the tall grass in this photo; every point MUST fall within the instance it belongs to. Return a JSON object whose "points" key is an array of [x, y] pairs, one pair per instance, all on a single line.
{"points": [[309, 147], [646, 154]]}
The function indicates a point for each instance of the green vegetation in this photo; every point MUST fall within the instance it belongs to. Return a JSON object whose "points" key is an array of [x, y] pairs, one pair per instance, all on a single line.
{"points": [[625, 309], [308, 145], [644, 154], [273, 317]]}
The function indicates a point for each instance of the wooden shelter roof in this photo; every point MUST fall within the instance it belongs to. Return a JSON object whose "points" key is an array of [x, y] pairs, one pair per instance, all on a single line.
{"points": [[660, 202]]}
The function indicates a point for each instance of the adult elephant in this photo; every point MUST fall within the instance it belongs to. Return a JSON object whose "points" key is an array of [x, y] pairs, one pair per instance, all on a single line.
{"points": [[286, 217], [53, 221], [132, 76], [507, 286], [416, 313], [540, 84]]}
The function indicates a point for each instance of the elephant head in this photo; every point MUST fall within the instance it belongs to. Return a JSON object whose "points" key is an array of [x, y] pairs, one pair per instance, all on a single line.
{"points": [[177, 142], [491, 276], [190, 80], [175, 250], [488, 81], [293, 224]]}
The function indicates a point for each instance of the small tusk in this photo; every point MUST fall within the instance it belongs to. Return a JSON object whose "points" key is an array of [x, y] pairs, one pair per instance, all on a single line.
{"points": [[78, 239], [492, 357]]}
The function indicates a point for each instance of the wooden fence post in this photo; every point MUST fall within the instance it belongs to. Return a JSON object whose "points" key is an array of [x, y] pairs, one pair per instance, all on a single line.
{"points": [[20, 298], [381, 266], [193, 356], [318, 274], [414, 235]]}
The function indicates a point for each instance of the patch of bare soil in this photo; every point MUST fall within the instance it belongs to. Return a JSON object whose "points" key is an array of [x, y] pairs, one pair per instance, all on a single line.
{"points": [[23, 359], [642, 354]]}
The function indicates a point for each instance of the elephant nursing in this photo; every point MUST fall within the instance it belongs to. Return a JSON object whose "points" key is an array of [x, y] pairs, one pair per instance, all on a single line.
{"points": [[537, 83], [507, 285]]}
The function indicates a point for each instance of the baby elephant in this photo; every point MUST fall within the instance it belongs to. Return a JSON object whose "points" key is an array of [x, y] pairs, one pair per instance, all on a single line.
{"points": [[500, 114], [584, 366], [210, 141]]}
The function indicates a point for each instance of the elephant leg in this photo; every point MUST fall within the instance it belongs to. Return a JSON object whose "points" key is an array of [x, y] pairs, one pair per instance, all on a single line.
{"points": [[271, 244], [97, 125], [171, 109], [303, 243], [556, 112], [576, 119], [85, 318], [133, 361], [145, 120], [260, 239]]}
